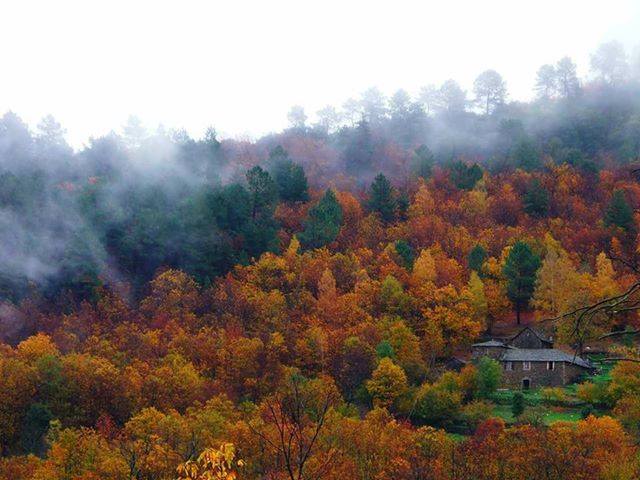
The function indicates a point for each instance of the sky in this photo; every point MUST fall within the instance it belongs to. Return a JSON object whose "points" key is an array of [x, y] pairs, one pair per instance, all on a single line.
{"points": [[239, 65]]}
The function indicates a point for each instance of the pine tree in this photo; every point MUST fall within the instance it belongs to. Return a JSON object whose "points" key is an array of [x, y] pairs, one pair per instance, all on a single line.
{"points": [[536, 200], [382, 198], [323, 223], [289, 176], [422, 164], [406, 253], [477, 257], [619, 213], [520, 269]]}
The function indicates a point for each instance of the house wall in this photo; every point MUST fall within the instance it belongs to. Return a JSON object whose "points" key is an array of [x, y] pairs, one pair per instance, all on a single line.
{"points": [[528, 339], [572, 373], [539, 376]]}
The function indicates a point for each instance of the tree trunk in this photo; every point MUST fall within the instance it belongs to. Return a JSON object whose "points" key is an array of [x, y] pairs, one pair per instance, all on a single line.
{"points": [[518, 313]]}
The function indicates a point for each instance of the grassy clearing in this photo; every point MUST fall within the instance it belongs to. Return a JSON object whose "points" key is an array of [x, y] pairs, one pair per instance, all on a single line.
{"points": [[552, 415]]}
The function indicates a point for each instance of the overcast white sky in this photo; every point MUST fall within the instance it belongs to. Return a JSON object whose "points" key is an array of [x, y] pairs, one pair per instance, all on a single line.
{"points": [[239, 65]]}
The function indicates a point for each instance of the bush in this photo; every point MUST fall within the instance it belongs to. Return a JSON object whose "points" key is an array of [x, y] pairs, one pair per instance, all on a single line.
{"points": [[474, 413], [553, 396], [595, 394], [517, 404], [533, 416], [437, 405]]}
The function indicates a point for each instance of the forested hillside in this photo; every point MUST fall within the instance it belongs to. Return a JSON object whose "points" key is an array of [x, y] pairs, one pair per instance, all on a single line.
{"points": [[301, 296]]}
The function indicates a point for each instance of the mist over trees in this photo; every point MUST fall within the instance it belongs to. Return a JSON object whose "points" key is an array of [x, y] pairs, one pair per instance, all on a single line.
{"points": [[129, 203]]}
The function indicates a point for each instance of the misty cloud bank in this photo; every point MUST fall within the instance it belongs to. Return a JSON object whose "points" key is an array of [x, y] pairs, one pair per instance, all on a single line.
{"points": [[130, 203]]}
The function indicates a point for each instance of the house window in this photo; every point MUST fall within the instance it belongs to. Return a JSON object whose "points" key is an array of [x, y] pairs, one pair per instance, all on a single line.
{"points": [[551, 365], [526, 365], [508, 366]]}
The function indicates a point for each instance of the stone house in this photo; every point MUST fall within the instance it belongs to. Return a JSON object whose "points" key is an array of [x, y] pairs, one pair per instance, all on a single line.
{"points": [[529, 360]]}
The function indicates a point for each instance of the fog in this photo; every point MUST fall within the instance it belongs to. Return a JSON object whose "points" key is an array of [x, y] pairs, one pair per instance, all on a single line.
{"points": [[240, 65], [143, 196]]}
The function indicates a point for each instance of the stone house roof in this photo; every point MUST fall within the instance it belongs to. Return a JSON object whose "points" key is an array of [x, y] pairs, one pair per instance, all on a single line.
{"points": [[540, 336], [542, 355], [491, 343]]}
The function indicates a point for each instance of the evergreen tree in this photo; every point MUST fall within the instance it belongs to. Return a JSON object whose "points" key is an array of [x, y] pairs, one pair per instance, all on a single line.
{"points": [[406, 253], [619, 213], [464, 176], [517, 404], [264, 192], [359, 148], [289, 176], [520, 269], [260, 233], [422, 164], [477, 257], [382, 198], [536, 199], [323, 223], [526, 156]]}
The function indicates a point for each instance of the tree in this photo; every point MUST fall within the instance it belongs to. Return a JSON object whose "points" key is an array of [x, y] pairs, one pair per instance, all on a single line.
{"points": [[619, 213], [452, 99], [536, 199], [323, 223], [526, 155], [212, 464], [328, 118], [490, 90], [546, 82], [292, 422], [289, 176], [400, 104], [477, 257], [297, 118], [422, 164], [373, 105], [382, 198], [489, 376], [387, 383], [406, 253], [609, 62], [517, 404], [464, 176], [478, 298], [520, 269], [264, 192], [358, 151], [558, 286], [568, 83], [429, 97]]}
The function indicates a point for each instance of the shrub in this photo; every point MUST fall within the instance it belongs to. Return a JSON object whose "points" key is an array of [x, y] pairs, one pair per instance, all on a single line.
{"points": [[553, 396], [517, 404], [474, 413]]}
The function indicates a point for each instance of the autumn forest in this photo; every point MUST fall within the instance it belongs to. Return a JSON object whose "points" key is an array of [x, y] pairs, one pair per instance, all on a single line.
{"points": [[303, 306]]}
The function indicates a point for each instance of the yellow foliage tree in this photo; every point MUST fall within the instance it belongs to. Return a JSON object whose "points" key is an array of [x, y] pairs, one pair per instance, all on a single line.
{"points": [[478, 299], [212, 464], [387, 383]]}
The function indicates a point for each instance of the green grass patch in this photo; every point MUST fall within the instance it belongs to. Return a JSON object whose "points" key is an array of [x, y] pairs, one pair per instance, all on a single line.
{"points": [[549, 416], [457, 437]]}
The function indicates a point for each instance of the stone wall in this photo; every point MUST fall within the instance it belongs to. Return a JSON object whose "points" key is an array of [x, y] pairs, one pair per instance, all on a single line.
{"points": [[540, 376]]}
